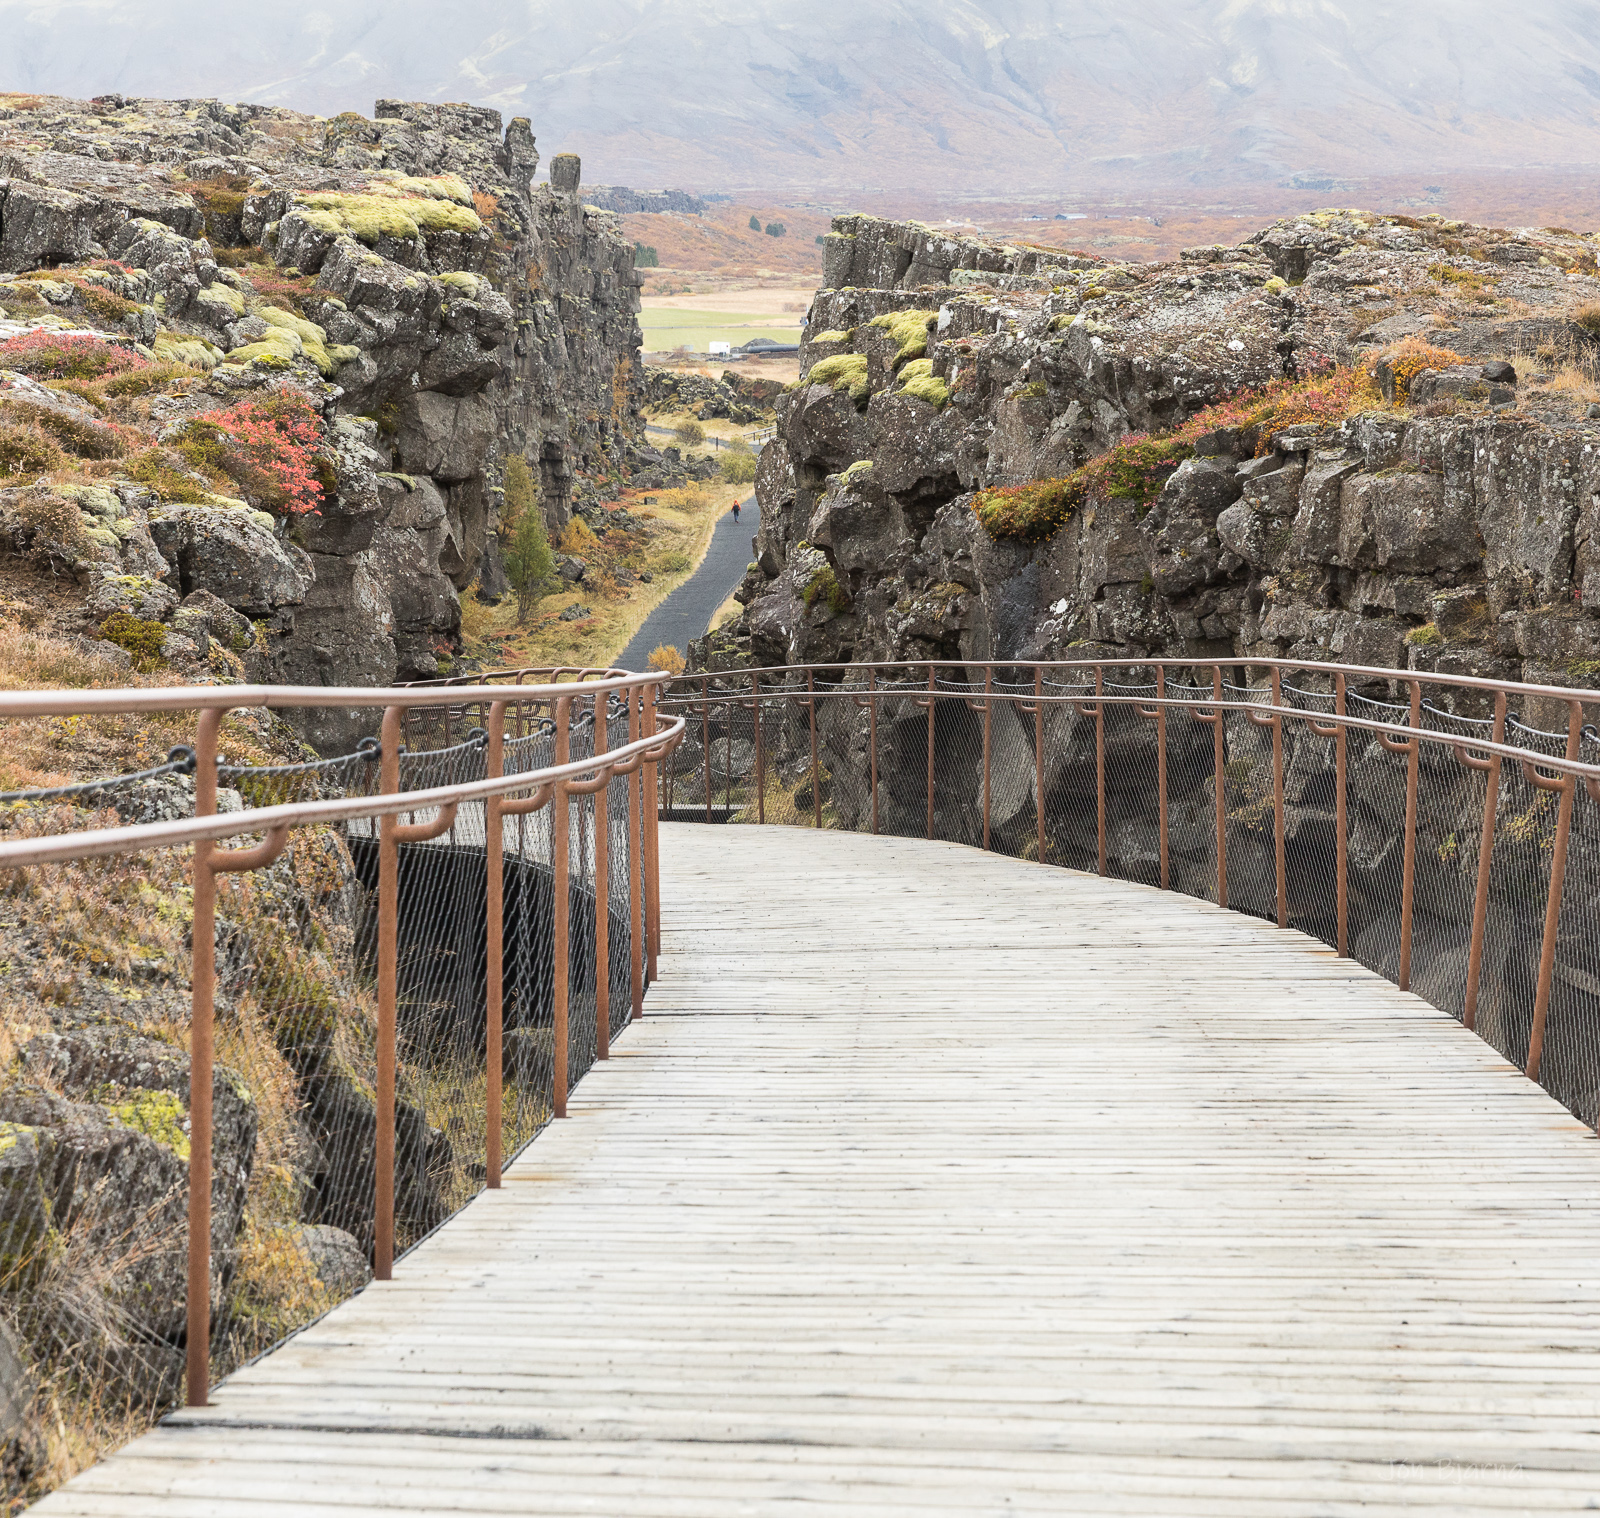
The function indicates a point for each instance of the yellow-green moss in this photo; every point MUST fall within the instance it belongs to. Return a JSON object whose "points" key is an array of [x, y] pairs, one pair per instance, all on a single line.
{"points": [[269, 354], [439, 187], [919, 380], [459, 279], [843, 371], [196, 352], [135, 636], [1426, 636], [834, 336], [313, 340], [860, 467], [385, 212], [219, 294], [158, 1115], [909, 329]]}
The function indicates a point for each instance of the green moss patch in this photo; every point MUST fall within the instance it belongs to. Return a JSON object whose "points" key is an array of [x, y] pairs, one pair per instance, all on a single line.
{"points": [[824, 586], [843, 371], [387, 210], [158, 1115], [136, 636], [909, 330], [919, 380]]}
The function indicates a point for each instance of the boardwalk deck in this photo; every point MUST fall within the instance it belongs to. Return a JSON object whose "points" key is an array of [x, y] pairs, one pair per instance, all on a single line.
{"points": [[937, 1182]]}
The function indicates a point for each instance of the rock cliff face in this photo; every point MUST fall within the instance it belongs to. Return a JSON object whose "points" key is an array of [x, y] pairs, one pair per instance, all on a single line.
{"points": [[1375, 441], [400, 273]]}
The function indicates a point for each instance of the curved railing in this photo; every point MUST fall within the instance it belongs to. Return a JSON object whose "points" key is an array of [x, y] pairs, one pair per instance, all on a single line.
{"points": [[1442, 830], [364, 994]]}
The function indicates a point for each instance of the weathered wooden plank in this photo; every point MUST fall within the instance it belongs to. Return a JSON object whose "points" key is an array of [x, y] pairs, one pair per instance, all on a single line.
{"points": [[936, 1182]]}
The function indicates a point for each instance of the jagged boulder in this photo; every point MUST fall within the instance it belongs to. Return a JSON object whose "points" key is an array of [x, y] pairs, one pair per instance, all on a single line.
{"points": [[233, 555], [41, 225]]}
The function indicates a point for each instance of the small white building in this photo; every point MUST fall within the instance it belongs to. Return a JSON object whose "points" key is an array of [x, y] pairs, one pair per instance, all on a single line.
{"points": [[719, 350]]}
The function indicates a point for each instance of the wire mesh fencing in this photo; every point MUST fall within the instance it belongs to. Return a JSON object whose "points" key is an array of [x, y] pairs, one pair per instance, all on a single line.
{"points": [[1443, 832], [266, 1024]]}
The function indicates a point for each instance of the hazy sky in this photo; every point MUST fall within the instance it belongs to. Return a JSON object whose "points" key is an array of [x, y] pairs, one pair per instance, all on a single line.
{"points": [[863, 91]]}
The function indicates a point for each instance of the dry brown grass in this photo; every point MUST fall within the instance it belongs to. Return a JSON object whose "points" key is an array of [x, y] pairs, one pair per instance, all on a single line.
{"points": [[40, 751]]}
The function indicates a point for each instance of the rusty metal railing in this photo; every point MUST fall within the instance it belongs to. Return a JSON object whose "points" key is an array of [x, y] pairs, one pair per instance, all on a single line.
{"points": [[593, 741], [1421, 823]]}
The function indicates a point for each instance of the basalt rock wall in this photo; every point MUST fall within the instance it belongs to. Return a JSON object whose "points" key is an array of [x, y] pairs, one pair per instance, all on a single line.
{"points": [[403, 273], [1454, 525]]}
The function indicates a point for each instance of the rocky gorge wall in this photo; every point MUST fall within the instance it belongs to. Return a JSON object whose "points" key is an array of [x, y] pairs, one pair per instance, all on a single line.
{"points": [[1444, 514], [402, 274]]}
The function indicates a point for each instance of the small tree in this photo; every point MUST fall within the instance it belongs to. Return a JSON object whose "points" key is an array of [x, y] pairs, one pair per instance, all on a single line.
{"points": [[521, 494], [776, 229], [665, 657], [690, 434], [529, 562], [738, 463], [755, 223], [645, 257]]}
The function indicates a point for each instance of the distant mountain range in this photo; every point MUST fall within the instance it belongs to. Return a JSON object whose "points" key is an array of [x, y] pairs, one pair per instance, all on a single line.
{"points": [[1015, 98]]}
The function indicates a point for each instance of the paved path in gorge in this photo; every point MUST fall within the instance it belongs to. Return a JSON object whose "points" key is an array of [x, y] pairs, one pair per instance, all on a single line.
{"points": [[685, 613]]}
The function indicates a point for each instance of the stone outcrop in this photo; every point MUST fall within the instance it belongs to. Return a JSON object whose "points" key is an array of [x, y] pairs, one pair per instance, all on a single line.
{"points": [[1455, 525], [401, 273], [620, 198], [732, 397]]}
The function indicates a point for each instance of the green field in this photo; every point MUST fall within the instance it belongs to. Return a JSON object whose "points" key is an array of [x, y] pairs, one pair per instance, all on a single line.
{"points": [[668, 326]]}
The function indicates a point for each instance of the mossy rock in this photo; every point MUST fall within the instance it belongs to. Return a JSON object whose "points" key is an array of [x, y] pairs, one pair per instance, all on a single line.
{"points": [[918, 379], [843, 371], [385, 211], [909, 330]]}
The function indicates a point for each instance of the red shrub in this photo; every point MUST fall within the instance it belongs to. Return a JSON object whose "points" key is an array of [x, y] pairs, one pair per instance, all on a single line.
{"points": [[278, 435], [57, 356]]}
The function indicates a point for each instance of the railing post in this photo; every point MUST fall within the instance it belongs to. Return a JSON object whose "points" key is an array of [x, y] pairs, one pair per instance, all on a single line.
{"points": [[1480, 898], [652, 833], [932, 703], [635, 846], [1565, 788], [761, 766], [1220, 784], [209, 861], [1100, 763], [1409, 875], [1341, 751], [816, 787], [494, 970], [602, 887], [561, 968], [201, 1044], [1279, 841], [1038, 756], [388, 976], [705, 735], [1161, 771], [872, 740], [988, 723]]}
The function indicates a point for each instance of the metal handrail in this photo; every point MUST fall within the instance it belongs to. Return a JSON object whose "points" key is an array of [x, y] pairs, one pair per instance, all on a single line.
{"points": [[572, 706]]}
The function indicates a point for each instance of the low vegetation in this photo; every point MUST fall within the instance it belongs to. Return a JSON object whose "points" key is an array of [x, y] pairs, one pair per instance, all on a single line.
{"points": [[614, 592], [1135, 468]]}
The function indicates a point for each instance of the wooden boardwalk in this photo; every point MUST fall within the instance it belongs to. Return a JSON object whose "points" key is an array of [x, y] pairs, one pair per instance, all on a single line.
{"points": [[941, 1183]]}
